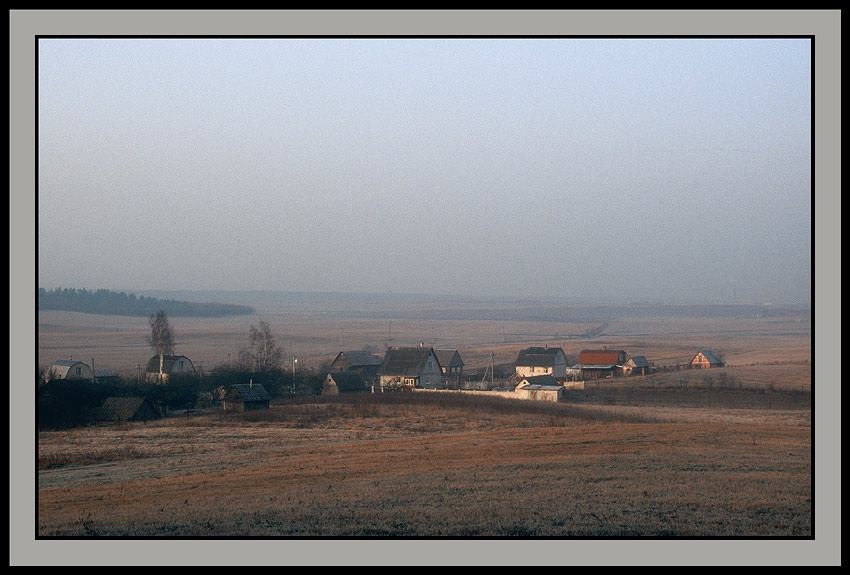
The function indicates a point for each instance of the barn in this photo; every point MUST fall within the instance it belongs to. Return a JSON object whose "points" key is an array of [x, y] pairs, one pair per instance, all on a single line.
{"points": [[601, 363], [344, 382], [127, 409], [246, 397]]}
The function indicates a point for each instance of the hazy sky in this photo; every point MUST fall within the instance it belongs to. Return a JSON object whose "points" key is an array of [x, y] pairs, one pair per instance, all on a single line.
{"points": [[641, 169]]}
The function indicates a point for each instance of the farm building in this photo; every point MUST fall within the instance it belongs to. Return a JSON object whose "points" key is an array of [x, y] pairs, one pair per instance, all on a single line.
{"points": [[246, 397], [344, 382], [127, 409], [541, 361], [68, 369], [171, 365], [365, 363], [409, 367], [541, 388], [636, 365], [705, 359], [451, 363], [106, 376], [601, 363]]}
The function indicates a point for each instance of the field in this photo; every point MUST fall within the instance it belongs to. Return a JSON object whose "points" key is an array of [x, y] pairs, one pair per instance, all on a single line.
{"points": [[673, 454]]}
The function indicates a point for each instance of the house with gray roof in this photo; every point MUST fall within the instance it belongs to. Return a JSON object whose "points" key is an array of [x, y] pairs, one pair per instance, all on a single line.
{"points": [[705, 359], [343, 383], [451, 363], [363, 362], [541, 388], [534, 361], [410, 367], [127, 409], [246, 397], [636, 365], [171, 365], [69, 369]]}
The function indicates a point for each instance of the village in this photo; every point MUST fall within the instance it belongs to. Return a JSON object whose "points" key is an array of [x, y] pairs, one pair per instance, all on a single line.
{"points": [[539, 374]]}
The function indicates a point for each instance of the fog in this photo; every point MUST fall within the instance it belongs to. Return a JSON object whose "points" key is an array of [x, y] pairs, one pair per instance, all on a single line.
{"points": [[646, 170]]}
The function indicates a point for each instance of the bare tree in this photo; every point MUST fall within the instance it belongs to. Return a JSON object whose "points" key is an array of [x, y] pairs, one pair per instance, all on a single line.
{"points": [[262, 352], [161, 338]]}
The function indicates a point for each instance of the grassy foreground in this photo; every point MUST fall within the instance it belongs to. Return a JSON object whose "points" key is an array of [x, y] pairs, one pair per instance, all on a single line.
{"points": [[431, 465]]}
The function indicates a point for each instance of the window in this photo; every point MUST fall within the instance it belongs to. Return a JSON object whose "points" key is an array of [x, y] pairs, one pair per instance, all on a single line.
{"points": [[79, 371]]}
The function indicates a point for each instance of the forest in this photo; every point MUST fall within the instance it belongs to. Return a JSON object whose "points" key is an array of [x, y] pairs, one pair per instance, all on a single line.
{"points": [[106, 302]]}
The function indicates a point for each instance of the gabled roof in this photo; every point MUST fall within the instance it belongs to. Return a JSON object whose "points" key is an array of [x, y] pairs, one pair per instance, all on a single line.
{"points": [[709, 355], [122, 408], [168, 362], [348, 380], [250, 392], [540, 382], [639, 361], [538, 356], [406, 361], [67, 362], [588, 357], [358, 358], [448, 357]]}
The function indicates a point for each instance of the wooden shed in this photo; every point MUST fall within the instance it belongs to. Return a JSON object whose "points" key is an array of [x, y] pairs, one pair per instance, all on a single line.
{"points": [[127, 409], [246, 397], [344, 382]]}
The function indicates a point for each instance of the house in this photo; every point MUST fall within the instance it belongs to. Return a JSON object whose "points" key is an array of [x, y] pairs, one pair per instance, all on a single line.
{"points": [[106, 376], [541, 388], [246, 397], [344, 382], [171, 365], [365, 363], [541, 361], [69, 369], [705, 359], [601, 363], [127, 409], [409, 367], [636, 365], [451, 363]]}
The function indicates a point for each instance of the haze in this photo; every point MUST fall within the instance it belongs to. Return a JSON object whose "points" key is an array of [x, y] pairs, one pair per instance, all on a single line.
{"points": [[663, 170]]}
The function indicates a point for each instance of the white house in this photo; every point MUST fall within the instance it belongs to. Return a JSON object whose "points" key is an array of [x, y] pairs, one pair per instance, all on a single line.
{"points": [[410, 367], [541, 361], [171, 365], [540, 388], [69, 369]]}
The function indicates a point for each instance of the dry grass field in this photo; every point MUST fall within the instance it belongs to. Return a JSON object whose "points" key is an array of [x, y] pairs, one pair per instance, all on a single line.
{"points": [[667, 455]]}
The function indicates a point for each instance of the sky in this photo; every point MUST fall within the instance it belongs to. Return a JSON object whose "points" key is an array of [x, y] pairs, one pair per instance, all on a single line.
{"points": [[631, 169]]}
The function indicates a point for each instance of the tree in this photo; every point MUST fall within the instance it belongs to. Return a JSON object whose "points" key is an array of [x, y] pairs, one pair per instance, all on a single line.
{"points": [[161, 338], [262, 353]]}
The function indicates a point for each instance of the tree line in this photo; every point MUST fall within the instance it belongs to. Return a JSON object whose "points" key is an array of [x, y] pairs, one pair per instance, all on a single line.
{"points": [[106, 302]]}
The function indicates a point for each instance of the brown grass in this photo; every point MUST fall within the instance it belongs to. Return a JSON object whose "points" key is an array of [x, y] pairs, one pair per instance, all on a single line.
{"points": [[426, 468]]}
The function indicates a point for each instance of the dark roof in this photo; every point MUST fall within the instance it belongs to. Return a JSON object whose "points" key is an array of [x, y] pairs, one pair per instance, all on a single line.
{"points": [[405, 361], [358, 358], [446, 357], [538, 356], [348, 381], [122, 408], [250, 392], [709, 355], [639, 361], [589, 357], [541, 381], [105, 373], [168, 362]]}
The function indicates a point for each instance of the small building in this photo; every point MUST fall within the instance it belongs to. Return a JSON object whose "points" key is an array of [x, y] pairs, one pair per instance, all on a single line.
{"points": [[636, 365], [343, 383], [127, 409], [106, 376], [601, 363], [171, 365], [451, 363], [69, 369], [363, 362], [705, 359], [246, 397], [410, 367], [541, 388], [541, 361]]}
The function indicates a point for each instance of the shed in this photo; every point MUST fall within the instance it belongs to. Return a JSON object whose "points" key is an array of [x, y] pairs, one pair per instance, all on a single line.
{"points": [[127, 409], [541, 388], [69, 369], [344, 382], [705, 359], [636, 365], [246, 397], [409, 367]]}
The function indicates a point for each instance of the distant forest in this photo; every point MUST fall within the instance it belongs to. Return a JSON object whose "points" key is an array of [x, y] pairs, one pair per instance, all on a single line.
{"points": [[105, 302]]}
